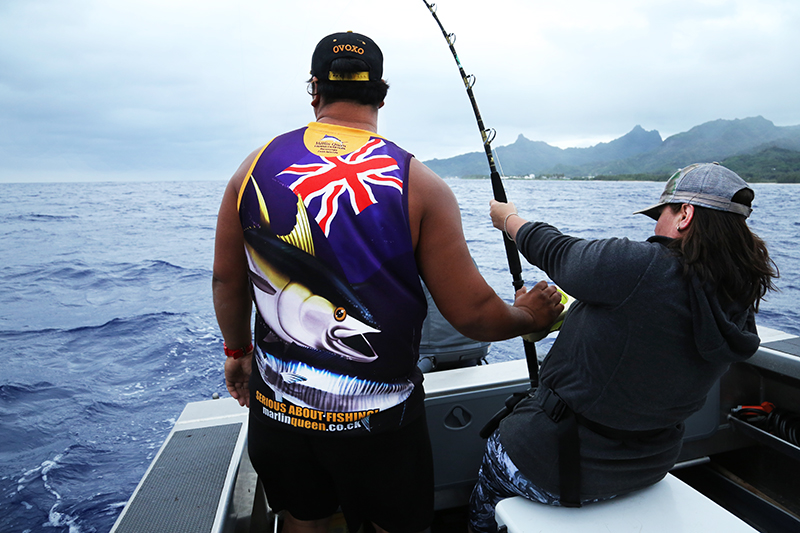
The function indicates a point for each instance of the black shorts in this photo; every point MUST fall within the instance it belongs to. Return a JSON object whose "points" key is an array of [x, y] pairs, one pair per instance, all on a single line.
{"points": [[385, 478]]}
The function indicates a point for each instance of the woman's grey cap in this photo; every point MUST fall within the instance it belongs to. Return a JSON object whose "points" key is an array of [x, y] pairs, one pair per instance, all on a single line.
{"points": [[705, 184]]}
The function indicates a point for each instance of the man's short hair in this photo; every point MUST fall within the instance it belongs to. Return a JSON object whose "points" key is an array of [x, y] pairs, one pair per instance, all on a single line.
{"points": [[362, 92]]}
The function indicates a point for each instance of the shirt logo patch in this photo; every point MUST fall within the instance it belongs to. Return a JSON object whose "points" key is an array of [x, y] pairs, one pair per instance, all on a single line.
{"points": [[354, 174]]}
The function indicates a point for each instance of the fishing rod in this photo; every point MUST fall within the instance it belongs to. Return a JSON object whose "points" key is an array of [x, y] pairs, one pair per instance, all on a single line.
{"points": [[497, 188], [487, 135]]}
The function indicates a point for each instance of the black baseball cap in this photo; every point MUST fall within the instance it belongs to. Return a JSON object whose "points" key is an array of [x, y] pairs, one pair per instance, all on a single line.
{"points": [[347, 44]]}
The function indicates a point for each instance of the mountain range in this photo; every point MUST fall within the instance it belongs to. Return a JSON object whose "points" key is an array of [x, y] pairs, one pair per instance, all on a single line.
{"points": [[642, 152]]}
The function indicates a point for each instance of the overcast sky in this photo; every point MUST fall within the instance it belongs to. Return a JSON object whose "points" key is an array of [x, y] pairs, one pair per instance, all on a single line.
{"points": [[155, 89]]}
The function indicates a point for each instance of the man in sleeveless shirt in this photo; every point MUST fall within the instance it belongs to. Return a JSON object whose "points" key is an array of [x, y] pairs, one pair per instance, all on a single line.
{"points": [[328, 229]]}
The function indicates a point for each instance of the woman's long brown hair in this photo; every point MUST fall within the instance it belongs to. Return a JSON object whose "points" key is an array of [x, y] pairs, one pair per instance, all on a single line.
{"points": [[719, 248]]}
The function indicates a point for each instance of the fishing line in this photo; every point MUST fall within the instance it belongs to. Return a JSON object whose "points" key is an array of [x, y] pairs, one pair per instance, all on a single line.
{"points": [[488, 135]]}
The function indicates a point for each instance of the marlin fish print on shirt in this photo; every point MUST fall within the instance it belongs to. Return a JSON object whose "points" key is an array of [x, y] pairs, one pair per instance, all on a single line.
{"points": [[339, 305]]}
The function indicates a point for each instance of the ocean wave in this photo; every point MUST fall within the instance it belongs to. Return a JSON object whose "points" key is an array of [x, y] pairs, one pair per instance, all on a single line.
{"points": [[40, 217], [119, 326], [129, 325], [12, 392], [69, 294], [68, 272], [103, 408]]}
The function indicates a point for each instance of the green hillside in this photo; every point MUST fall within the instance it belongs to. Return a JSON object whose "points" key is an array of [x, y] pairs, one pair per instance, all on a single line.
{"points": [[754, 147], [777, 165]]}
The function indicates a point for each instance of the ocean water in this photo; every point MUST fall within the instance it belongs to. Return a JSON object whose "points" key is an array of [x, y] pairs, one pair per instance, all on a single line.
{"points": [[108, 326]]}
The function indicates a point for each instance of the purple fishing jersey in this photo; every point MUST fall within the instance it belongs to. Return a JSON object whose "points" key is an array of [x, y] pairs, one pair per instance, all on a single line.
{"points": [[339, 303]]}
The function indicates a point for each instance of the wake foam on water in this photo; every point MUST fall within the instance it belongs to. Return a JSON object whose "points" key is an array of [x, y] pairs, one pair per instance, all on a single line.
{"points": [[40, 475], [70, 489]]}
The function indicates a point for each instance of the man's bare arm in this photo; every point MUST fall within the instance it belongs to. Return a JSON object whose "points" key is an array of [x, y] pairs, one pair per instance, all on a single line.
{"points": [[457, 287], [231, 286]]}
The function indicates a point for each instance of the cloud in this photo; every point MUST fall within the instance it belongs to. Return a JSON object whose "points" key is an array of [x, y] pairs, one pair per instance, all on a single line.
{"points": [[187, 89]]}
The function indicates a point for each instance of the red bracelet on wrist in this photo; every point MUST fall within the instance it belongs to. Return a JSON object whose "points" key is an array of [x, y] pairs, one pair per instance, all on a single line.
{"points": [[236, 354]]}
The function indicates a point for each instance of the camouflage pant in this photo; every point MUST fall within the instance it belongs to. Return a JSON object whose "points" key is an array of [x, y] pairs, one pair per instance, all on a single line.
{"points": [[499, 479]]}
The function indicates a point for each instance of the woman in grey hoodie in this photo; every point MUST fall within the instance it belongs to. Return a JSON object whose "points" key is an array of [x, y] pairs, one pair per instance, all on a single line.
{"points": [[655, 325]]}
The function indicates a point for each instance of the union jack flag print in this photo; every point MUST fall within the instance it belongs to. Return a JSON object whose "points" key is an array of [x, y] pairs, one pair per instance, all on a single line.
{"points": [[355, 174]]}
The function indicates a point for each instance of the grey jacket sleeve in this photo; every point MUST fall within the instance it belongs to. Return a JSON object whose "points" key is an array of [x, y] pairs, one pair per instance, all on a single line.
{"points": [[600, 272]]}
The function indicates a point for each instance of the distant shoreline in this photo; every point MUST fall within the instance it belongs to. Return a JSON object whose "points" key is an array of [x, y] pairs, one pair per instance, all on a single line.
{"points": [[790, 178]]}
